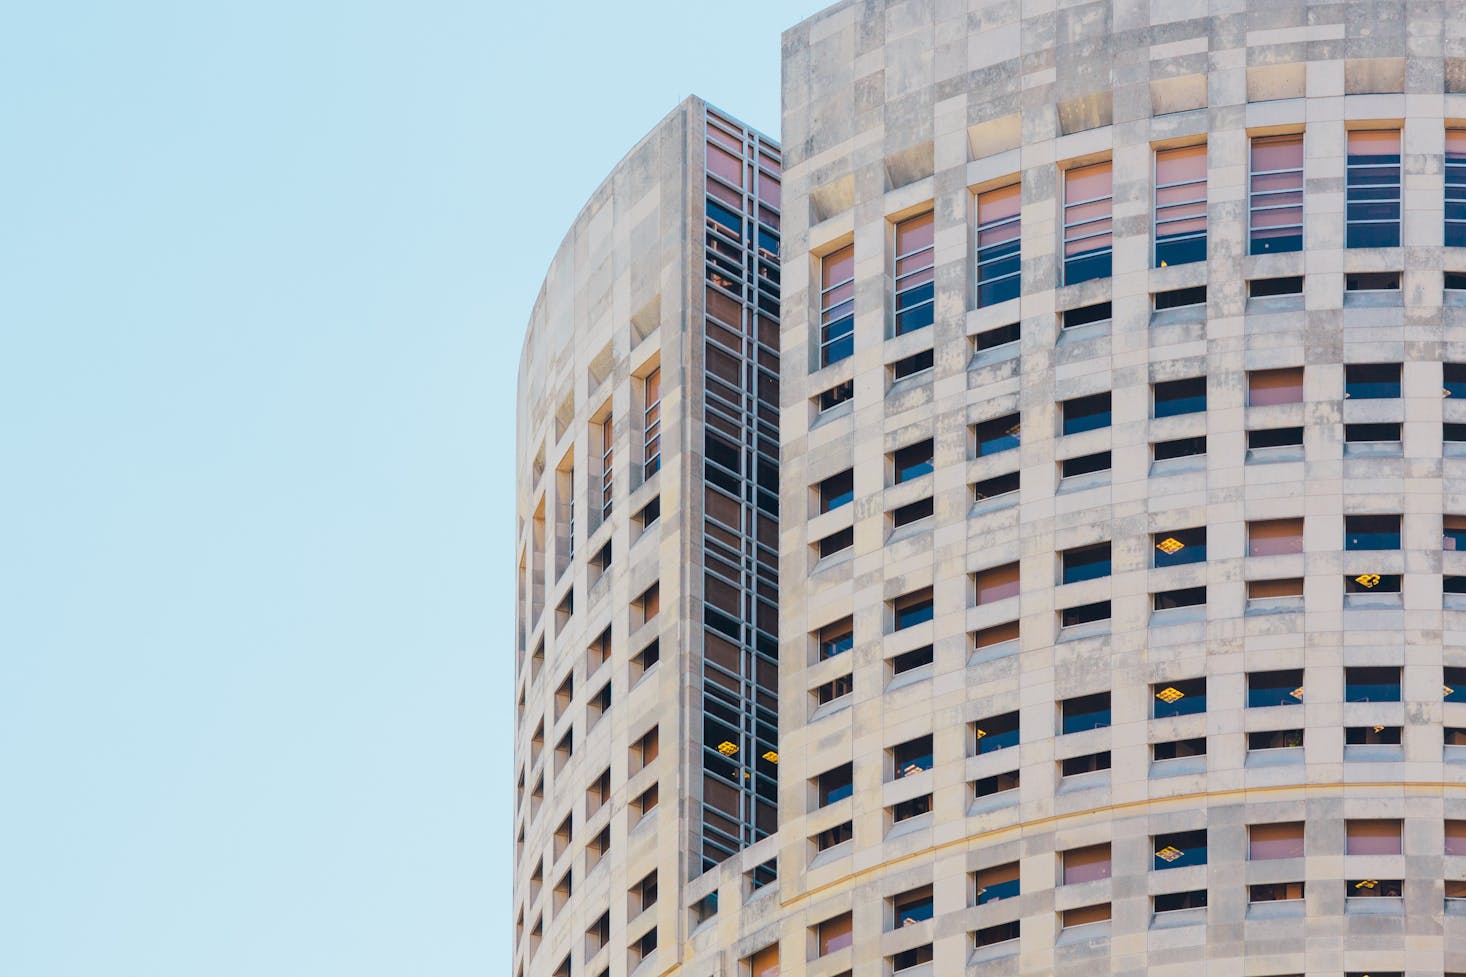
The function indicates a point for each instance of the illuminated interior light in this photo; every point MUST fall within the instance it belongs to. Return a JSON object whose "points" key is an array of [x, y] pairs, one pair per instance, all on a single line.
{"points": [[1170, 545], [727, 749], [1170, 694]]}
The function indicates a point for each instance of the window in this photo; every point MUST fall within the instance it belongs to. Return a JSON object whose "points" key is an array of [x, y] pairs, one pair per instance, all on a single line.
{"points": [[996, 884], [1089, 763], [1455, 838], [1179, 448], [1086, 413], [1280, 688], [1453, 688], [998, 434], [1275, 739], [645, 659], [995, 733], [1455, 202], [914, 957], [911, 660], [913, 274], [1167, 600], [912, 757], [836, 638], [1371, 685], [1088, 914], [597, 793], [642, 896], [1453, 535], [651, 424], [911, 365], [1371, 532], [995, 487], [1100, 312], [1372, 736], [1087, 230], [1084, 614], [834, 784], [1179, 849], [1086, 864], [643, 804], [998, 583], [1273, 537], [996, 934], [1373, 888], [1261, 288], [996, 635], [1085, 712], [837, 835], [912, 461], [1372, 583], [1180, 205], [607, 468], [1275, 437], [1372, 281], [1372, 837], [765, 963], [1283, 588], [836, 688], [988, 786], [837, 541], [1178, 298], [1179, 749], [999, 243], [1180, 547], [1086, 563], [1372, 178], [911, 907], [834, 934], [836, 490], [838, 394], [837, 305], [912, 609], [1275, 892], [647, 606], [1371, 381], [1275, 194], [1174, 397], [995, 337], [644, 750], [1170, 902], [906, 514], [1085, 464], [1184, 698], [1268, 387], [908, 809]]}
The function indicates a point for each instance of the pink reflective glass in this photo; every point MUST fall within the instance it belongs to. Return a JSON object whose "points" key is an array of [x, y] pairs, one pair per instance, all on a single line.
{"points": [[1000, 204], [914, 234], [1087, 864], [769, 190], [997, 584], [725, 165], [1275, 537], [1456, 142], [1087, 182], [1374, 142], [1265, 387], [1277, 153], [1456, 837], [1185, 165], [1268, 841], [838, 266], [1373, 838]]}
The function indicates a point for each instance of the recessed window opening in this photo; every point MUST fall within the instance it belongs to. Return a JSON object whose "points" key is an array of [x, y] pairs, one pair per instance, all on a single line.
{"points": [[1274, 437], [836, 490], [1185, 697], [1174, 397], [993, 338], [1371, 381], [1455, 195], [995, 733], [836, 395], [1086, 563], [1179, 448], [1372, 532], [1266, 388], [1088, 198], [1085, 464], [911, 365], [1261, 288], [1086, 413], [999, 434], [1275, 194], [1085, 614], [1090, 313], [911, 660], [998, 243], [1279, 688], [1372, 189], [912, 461], [1178, 298], [837, 305], [996, 487], [1086, 712], [1180, 205], [914, 273], [1372, 281], [1184, 597], [907, 514], [1179, 547]]}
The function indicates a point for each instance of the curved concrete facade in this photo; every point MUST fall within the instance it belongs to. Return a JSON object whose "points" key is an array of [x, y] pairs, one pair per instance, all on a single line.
{"points": [[1085, 586], [1153, 659]]}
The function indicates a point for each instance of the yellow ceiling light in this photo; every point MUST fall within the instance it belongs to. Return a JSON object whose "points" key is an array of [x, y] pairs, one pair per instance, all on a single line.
{"points": [[772, 756], [1170, 694], [1170, 546], [727, 749], [1379, 729], [982, 732], [1297, 693], [1367, 580], [1446, 691], [1366, 883], [1169, 853]]}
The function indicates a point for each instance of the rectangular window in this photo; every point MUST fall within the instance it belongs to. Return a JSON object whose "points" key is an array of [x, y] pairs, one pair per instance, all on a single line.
{"points": [[1270, 841], [837, 490], [1180, 547], [837, 305], [1275, 194], [1180, 448], [912, 757], [1455, 202], [998, 434], [651, 424], [1088, 198], [1088, 914], [1086, 563], [836, 542], [997, 883], [988, 786], [837, 835], [1086, 864], [834, 784], [999, 244], [1275, 892], [836, 688], [1180, 205], [1453, 685], [607, 465], [1379, 435], [765, 963], [1086, 413], [912, 609], [1084, 614], [914, 273], [995, 487], [1178, 749], [911, 660], [836, 638], [995, 733], [1371, 381], [1174, 397], [1175, 901], [1375, 836], [1372, 684], [1455, 838], [1372, 195], [911, 365], [1268, 387], [1183, 698], [1085, 712], [1179, 849], [912, 461], [913, 808], [1089, 763], [834, 934], [912, 907], [996, 584], [1085, 464], [1272, 537], [996, 934], [1453, 380], [907, 514], [1371, 532], [1280, 688]]}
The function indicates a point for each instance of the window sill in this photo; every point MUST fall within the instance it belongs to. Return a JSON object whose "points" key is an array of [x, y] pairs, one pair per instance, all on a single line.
{"points": [[993, 802], [1374, 906], [1178, 466], [827, 709], [1269, 456], [1277, 909], [1083, 933], [994, 652], [1373, 753], [1177, 767], [1374, 601], [916, 675], [995, 951], [1074, 783], [1178, 917], [1373, 449], [1259, 606], [1280, 756]]}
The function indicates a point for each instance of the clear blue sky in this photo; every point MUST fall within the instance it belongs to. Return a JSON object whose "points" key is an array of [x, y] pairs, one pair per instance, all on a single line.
{"points": [[264, 274]]}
